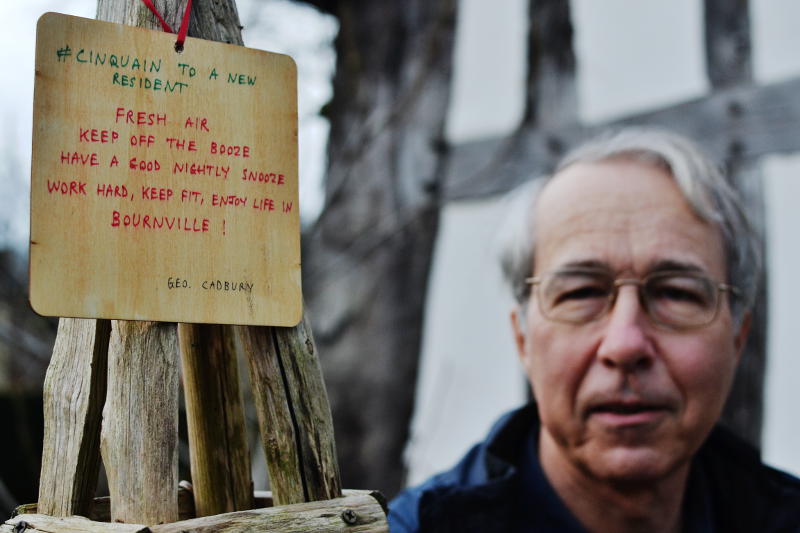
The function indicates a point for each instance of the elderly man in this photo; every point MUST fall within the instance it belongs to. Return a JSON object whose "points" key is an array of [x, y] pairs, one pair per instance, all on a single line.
{"points": [[634, 270]]}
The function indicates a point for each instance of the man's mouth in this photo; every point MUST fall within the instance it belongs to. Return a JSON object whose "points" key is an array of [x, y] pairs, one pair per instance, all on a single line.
{"points": [[624, 408], [627, 413]]}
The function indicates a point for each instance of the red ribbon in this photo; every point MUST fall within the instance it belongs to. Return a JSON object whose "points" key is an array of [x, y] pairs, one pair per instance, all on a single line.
{"points": [[164, 26], [184, 26]]}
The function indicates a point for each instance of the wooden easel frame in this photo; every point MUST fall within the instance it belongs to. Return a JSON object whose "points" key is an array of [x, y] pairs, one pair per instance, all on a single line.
{"points": [[113, 387]]}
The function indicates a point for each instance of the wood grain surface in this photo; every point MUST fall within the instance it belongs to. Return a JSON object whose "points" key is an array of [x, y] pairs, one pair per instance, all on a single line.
{"points": [[220, 459], [74, 393], [139, 437], [293, 413], [164, 185]]}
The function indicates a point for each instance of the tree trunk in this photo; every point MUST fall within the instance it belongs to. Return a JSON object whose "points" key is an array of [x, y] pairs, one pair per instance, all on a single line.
{"points": [[368, 257]]}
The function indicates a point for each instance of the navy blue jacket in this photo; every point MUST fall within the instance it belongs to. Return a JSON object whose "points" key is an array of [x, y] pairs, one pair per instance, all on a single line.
{"points": [[730, 490]]}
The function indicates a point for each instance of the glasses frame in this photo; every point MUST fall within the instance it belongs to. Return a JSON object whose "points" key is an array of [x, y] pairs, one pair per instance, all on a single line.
{"points": [[535, 281]]}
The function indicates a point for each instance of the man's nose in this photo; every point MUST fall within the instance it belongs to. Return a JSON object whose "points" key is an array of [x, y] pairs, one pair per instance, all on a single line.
{"points": [[626, 345]]}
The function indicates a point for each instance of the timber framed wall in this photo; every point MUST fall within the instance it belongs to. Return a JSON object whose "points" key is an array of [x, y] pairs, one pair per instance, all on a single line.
{"points": [[738, 120]]}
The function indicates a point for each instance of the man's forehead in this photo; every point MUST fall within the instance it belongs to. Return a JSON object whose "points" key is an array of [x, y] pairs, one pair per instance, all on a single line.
{"points": [[597, 177], [621, 210], [606, 192]]}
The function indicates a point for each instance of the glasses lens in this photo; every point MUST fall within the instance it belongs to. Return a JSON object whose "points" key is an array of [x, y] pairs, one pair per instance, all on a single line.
{"points": [[680, 300], [575, 296]]}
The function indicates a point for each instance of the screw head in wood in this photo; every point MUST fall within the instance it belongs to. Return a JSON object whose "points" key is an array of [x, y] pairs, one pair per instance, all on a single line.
{"points": [[349, 516]]}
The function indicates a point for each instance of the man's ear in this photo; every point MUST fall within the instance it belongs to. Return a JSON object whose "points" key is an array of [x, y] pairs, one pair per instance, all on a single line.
{"points": [[741, 336], [518, 325], [517, 316]]}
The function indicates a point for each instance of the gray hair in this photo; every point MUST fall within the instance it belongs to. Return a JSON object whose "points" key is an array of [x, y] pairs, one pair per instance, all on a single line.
{"points": [[701, 182]]}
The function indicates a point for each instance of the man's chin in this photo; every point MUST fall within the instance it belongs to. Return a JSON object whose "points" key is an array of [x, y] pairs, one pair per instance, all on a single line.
{"points": [[628, 465]]}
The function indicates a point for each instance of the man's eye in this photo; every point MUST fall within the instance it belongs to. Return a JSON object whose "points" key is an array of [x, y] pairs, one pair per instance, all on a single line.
{"points": [[680, 295], [586, 292]]}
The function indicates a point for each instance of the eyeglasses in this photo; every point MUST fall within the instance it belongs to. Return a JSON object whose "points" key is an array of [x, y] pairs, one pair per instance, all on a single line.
{"points": [[672, 299]]}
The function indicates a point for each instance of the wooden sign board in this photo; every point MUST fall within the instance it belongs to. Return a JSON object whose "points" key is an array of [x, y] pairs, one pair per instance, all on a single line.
{"points": [[163, 184]]}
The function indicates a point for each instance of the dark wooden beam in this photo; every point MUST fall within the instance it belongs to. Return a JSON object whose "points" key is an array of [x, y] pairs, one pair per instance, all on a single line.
{"points": [[551, 98], [727, 32], [747, 120], [728, 63]]}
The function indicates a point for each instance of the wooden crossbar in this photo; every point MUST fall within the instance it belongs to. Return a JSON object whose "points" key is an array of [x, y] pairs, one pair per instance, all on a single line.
{"points": [[362, 511]]}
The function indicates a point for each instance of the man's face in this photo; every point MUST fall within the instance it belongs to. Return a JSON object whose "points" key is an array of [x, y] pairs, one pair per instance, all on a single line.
{"points": [[621, 399]]}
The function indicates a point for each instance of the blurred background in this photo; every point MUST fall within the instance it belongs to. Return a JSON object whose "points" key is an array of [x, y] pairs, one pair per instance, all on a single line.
{"points": [[417, 120]]}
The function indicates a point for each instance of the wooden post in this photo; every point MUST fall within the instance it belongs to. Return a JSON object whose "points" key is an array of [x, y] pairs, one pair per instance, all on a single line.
{"points": [[274, 415], [139, 439], [308, 399], [293, 412], [220, 459], [74, 392]]}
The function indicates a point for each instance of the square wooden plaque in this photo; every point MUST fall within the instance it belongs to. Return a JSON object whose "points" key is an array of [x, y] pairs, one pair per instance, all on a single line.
{"points": [[163, 184]]}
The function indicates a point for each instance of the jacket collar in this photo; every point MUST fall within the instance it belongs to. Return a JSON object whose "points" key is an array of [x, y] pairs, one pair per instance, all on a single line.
{"points": [[489, 483]]}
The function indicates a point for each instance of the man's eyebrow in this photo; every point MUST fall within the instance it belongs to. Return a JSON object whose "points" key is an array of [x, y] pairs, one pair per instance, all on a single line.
{"points": [[671, 264], [660, 265], [587, 263]]}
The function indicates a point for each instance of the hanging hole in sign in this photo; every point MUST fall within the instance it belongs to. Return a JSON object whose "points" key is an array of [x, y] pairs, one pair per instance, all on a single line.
{"points": [[166, 27]]}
